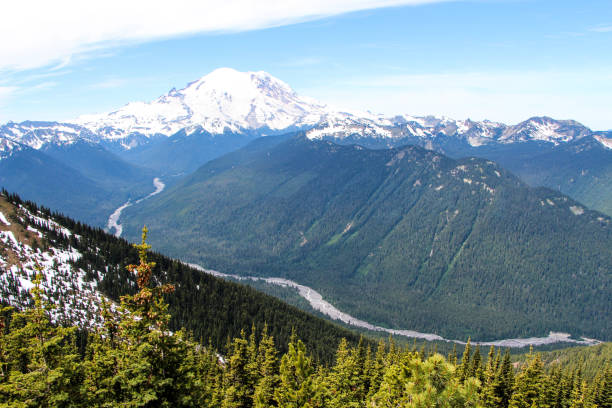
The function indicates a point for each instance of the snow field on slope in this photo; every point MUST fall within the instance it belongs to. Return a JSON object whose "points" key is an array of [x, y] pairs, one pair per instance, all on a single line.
{"points": [[76, 300]]}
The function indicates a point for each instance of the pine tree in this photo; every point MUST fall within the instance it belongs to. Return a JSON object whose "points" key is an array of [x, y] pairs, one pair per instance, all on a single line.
{"points": [[296, 369], [452, 357], [377, 369], [464, 367], [491, 383], [236, 379], [422, 384], [136, 361], [476, 366], [268, 366], [506, 378], [345, 382], [529, 386], [41, 364]]}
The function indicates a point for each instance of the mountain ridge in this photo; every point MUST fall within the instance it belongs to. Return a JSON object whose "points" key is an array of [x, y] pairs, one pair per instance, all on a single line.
{"points": [[229, 101], [84, 266], [407, 231]]}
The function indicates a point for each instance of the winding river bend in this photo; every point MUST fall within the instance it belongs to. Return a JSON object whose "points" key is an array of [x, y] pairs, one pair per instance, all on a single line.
{"points": [[113, 220], [318, 303]]}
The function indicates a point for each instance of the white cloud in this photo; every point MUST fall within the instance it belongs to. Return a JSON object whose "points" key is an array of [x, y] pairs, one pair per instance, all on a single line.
{"points": [[302, 62], [109, 83], [602, 29], [508, 97], [39, 33], [7, 91]]}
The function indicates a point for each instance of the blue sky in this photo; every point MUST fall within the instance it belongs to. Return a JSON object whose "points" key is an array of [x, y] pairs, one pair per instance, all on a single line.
{"points": [[488, 59]]}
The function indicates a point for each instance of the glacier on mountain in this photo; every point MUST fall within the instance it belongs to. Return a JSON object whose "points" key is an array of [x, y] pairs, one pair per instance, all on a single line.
{"points": [[228, 101]]}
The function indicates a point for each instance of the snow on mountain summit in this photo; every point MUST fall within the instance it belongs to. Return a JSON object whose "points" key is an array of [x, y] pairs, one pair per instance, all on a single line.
{"points": [[256, 103], [224, 100], [544, 129]]}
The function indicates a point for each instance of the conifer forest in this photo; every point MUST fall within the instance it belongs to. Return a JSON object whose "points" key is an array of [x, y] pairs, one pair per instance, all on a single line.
{"points": [[134, 359]]}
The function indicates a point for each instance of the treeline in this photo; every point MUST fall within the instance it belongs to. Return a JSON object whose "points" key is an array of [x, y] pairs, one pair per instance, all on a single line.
{"points": [[588, 359], [135, 360], [212, 309]]}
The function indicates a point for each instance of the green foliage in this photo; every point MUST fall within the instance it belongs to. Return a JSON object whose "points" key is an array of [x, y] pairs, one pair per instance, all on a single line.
{"points": [[81, 179], [415, 241], [40, 363], [137, 359], [589, 360], [133, 360], [212, 309], [430, 383]]}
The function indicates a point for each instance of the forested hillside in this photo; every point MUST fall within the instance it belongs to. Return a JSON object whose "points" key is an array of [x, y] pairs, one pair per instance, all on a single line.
{"points": [[212, 309], [586, 360], [81, 179], [405, 237], [134, 360]]}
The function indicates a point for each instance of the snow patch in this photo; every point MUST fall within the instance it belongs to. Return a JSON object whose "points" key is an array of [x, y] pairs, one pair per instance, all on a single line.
{"points": [[576, 210], [605, 141], [3, 219], [77, 299]]}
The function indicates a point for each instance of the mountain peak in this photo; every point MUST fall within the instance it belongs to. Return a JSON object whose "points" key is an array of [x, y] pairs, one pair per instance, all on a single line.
{"points": [[225, 100], [228, 78], [256, 103]]}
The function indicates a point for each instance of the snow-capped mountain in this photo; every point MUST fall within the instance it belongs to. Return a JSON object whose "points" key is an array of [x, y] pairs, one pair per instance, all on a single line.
{"points": [[227, 101], [38, 134], [223, 101], [473, 133], [545, 129], [8, 147]]}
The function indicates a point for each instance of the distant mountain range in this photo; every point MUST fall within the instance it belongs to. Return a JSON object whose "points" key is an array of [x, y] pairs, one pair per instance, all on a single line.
{"points": [[227, 101], [222, 111]]}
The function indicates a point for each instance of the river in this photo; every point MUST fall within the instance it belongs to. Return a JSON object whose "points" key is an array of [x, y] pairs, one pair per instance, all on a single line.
{"points": [[113, 219], [318, 303]]}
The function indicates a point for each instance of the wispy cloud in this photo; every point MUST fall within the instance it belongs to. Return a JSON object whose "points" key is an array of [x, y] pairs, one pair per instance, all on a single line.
{"points": [[302, 62], [109, 83], [602, 29], [6, 92], [42, 86], [566, 34], [51, 33]]}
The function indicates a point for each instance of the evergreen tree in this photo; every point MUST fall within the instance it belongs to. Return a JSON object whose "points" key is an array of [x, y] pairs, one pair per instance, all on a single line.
{"points": [[492, 382], [268, 365], [137, 361], [506, 379], [41, 366], [346, 384], [529, 387], [377, 369], [476, 366], [464, 368], [237, 378], [296, 369], [424, 384]]}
